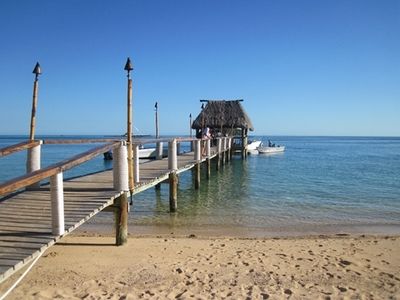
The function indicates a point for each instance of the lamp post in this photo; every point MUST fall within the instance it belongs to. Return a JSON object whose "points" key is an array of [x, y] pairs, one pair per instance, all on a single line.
{"points": [[190, 125], [37, 71], [156, 109], [129, 68]]}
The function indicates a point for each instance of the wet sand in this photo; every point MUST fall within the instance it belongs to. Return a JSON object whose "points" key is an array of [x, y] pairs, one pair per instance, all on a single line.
{"points": [[200, 267]]}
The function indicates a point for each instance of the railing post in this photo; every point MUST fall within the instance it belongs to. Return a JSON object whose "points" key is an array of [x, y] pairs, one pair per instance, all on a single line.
{"points": [[136, 175], [172, 157], [178, 148], [121, 183], [57, 204], [218, 153], [159, 150], [120, 168], [208, 161], [197, 150], [33, 163]]}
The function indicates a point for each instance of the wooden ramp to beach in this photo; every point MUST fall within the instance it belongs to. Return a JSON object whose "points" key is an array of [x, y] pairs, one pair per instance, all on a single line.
{"points": [[31, 214]]}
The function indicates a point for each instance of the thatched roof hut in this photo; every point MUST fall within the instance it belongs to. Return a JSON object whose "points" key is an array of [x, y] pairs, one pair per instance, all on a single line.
{"points": [[223, 115]]}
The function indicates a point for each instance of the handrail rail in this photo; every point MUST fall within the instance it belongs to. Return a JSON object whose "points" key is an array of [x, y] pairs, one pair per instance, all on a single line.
{"points": [[79, 141], [28, 179], [19, 147]]}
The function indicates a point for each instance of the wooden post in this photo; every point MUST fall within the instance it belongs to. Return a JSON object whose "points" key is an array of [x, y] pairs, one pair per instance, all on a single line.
{"points": [[208, 161], [159, 150], [172, 157], [223, 142], [230, 149], [121, 219], [37, 72], [245, 142], [120, 168], [156, 108], [218, 161], [243, 145], [128, 68], [197, 150], [173, 192], [57, 204], [136, 163], [33, 163], [197, 157]]}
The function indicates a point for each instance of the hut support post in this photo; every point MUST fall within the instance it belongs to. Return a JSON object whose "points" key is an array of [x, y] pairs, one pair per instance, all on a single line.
{"points": [[159, 150], [121, 219], [223, 150], [57, 204], [230, 149], [33, 163], [245, 140], [173, 192]]}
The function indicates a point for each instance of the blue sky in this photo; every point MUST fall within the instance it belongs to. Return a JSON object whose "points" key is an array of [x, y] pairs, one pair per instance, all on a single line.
{"points": [[303, 67]]}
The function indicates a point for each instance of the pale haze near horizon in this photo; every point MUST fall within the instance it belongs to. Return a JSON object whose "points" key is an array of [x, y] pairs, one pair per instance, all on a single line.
{"points": [[302, 67]]}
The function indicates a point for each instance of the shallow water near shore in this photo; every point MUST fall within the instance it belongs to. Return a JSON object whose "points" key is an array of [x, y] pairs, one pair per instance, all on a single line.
{"points": [[318, 185]]}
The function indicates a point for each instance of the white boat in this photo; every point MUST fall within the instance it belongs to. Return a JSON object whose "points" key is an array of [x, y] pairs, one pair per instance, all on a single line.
{"points": [[268, 150], [253, 145]]}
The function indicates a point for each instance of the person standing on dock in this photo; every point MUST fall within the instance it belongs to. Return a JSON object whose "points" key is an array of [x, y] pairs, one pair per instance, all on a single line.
{"points": [[206, 135]]}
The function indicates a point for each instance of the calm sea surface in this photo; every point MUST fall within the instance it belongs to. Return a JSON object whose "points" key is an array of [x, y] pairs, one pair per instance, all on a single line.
{"points": [[319, 184]]}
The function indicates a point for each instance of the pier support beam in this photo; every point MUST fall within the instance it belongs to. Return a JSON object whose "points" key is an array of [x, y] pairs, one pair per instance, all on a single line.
{"points": [[173, 192], [57, 204], [121, 220], [197, 158]]}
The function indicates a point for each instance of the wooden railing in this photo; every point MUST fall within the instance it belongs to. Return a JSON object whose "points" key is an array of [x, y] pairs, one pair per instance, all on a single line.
{"points": [[19, 147], [120, 166]]}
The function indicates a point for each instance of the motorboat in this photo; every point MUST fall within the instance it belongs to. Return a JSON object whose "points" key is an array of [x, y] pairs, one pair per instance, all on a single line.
{"points": [[253, 145], [143, 153], [271, 148]]}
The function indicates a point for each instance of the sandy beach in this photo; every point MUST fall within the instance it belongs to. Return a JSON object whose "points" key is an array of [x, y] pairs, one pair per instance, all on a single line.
{"points": [[197, 267]]}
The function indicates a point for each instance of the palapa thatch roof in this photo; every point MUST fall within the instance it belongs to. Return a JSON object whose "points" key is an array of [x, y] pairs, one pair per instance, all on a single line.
{"points": [[223, 113]]}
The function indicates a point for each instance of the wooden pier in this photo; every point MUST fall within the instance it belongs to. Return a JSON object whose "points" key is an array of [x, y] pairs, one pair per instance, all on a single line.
{"points": [[33, 217]]}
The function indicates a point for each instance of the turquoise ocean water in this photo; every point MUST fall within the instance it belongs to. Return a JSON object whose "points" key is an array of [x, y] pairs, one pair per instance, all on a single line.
{"points": [[318, 185]]}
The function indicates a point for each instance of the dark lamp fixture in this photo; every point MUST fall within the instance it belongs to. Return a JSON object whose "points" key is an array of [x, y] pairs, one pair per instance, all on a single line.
{"points": [[37, 71], [128, 65]]}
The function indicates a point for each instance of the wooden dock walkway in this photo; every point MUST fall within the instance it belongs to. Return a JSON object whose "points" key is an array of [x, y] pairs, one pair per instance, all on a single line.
{"points": [[27, 215]]}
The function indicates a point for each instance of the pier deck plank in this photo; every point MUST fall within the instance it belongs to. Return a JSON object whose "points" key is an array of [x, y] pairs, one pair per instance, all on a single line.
{"points": [[25, 217]]}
